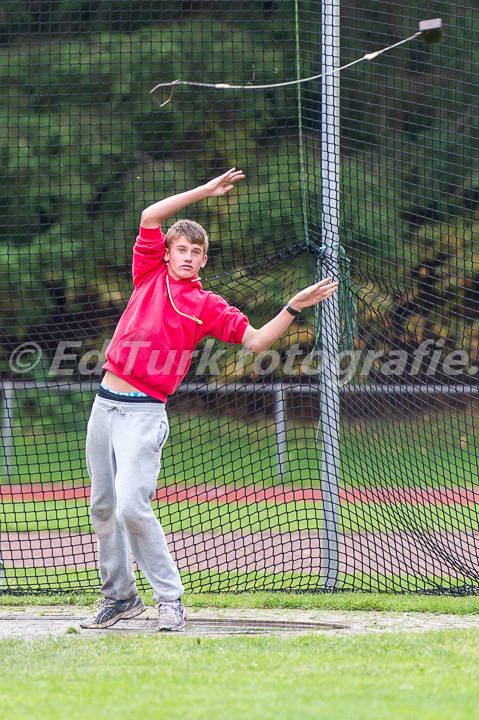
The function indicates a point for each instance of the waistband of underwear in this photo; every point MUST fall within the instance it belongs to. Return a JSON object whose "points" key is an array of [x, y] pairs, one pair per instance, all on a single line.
{"points": [[107, 394]]}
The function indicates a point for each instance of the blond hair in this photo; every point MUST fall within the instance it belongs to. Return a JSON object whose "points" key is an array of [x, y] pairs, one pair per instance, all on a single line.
{"points": [[191, 230]]}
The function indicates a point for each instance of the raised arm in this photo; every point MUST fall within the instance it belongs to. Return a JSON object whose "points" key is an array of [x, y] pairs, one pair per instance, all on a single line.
{"points": [[260, 340], [154, 215]]}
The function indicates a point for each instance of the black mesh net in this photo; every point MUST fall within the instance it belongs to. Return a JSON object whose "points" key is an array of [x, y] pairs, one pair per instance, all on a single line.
{"points": [[345, 457]]}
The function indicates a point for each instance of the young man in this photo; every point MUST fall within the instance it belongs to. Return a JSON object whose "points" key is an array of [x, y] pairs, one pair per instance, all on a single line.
{"points": [[167, 316]]}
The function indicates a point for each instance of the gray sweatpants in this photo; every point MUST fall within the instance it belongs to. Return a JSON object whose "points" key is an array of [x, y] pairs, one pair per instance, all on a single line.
{"points": [[123, 449]]}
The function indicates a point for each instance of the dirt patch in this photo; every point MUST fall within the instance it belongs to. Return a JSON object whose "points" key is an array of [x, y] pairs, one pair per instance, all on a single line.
{"points": [[35, 622]]}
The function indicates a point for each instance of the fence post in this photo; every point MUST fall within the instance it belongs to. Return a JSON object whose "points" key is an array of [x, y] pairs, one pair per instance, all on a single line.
{"points": [[330, 197], [8, 389], [279, 408]]}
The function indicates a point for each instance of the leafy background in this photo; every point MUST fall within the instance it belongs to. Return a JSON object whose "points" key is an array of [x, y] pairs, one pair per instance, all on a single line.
{"points": [[83, 149]]}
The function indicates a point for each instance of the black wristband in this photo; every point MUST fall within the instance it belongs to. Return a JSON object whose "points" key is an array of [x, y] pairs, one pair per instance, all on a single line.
{"points": [[291, 310]]}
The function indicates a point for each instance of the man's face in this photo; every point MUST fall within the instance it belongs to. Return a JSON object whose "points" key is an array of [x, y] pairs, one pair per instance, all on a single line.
{"points": [[184, 259]]}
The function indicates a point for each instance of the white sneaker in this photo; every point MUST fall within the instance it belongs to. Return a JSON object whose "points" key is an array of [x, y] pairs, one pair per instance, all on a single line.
{"points": [[172, 616]]}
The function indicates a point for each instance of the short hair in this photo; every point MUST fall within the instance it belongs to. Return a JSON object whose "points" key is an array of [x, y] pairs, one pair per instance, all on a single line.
{"points": [[191, 230]]}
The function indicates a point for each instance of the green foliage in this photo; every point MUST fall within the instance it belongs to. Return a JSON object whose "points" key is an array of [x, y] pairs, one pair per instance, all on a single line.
{"points": [[84, 150], [84, 17]]}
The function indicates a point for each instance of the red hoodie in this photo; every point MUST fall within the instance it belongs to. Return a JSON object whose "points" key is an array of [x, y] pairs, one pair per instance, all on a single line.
{"points": [[154, 340]]}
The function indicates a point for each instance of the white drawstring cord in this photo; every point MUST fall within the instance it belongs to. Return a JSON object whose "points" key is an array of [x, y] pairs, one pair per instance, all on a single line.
{"points": [[116, 407]]}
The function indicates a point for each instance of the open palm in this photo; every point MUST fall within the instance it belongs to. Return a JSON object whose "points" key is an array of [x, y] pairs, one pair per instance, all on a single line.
{"points": [[223, 184], [314, 293]]}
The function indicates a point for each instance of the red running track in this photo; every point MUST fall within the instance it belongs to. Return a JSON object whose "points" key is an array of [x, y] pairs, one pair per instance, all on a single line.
{"points": [[244, 495]]}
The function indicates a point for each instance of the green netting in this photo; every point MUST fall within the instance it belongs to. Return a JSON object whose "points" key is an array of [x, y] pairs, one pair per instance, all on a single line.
{"points": [[385, 497]]}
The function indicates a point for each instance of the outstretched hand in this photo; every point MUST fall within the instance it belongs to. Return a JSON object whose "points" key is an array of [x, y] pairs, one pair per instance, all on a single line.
{"points": [[314, 294], [262, 339], [223, 184]]}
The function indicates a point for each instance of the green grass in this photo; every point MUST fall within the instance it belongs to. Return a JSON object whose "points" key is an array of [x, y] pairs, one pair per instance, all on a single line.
{"points": [[68, 579], [395, 517], [344, 602], [402, 676], [73, 516], [223, 450], [227, 451], [43, 454]]}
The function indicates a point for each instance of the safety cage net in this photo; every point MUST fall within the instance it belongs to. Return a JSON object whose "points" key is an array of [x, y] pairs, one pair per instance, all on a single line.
{"points": [[343, 458]]}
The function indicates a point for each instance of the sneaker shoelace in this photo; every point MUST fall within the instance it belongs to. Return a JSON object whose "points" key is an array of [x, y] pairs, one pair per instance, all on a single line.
{"points": [[170, 610], [102, 604]]}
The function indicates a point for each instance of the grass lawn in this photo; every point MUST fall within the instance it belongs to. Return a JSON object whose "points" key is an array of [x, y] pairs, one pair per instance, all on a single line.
{"points": [[231, 453], [399, 675], [345, 602], [73, 516], [222, 450], [403, 676]]}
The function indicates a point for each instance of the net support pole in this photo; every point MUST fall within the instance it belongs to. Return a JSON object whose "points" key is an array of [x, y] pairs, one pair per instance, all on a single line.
{"points": [[8, 390], [329, 325], [280, 426]]}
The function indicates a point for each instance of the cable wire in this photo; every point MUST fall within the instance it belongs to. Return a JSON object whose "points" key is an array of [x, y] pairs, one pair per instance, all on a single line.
{"points": [[227, 86]]}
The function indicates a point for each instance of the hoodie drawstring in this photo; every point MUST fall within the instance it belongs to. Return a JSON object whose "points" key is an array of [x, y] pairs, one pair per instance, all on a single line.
{"points": [[190, 317]]}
